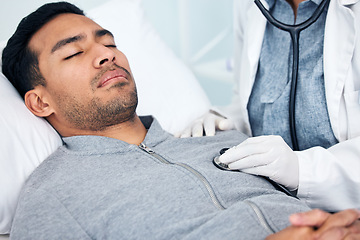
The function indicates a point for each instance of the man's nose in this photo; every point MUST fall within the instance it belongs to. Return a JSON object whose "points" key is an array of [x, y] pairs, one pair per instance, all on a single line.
{"points": [[104, 56]]}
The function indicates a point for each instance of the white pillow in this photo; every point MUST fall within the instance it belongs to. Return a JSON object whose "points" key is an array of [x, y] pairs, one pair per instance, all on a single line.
{"points": [[25, 142], [167, 89]]}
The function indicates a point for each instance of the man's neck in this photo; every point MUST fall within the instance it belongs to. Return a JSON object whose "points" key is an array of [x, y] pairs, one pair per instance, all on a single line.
{"points": [[131, 131]]}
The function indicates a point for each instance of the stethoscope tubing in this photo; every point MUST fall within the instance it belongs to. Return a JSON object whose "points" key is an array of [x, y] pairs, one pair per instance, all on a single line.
{"points": [[294, 31]]}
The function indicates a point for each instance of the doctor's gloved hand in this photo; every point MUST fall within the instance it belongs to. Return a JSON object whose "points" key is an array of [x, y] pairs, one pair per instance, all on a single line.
{"points": [[207, 125], [267, 156]]}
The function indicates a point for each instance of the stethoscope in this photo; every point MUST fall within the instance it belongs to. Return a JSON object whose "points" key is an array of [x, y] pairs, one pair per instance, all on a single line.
{"points": [[294, 31]]}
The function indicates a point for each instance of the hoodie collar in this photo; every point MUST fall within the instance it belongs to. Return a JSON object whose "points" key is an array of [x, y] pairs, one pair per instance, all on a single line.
{"points": [[89, 144]]}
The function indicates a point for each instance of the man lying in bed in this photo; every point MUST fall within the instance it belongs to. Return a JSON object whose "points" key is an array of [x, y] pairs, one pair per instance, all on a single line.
{"points": [[120, 176]]}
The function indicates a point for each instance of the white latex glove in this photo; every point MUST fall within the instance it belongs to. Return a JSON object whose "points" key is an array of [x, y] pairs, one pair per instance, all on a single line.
{"points": [[209, 122], [267, 156]]}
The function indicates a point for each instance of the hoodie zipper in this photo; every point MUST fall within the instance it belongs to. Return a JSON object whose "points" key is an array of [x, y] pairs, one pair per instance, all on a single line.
{"points": [[260, 216], [194, 172]]}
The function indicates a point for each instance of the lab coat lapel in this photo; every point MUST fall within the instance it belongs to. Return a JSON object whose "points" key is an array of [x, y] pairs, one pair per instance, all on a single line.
{"points": [[339, 43], [255, 35]]}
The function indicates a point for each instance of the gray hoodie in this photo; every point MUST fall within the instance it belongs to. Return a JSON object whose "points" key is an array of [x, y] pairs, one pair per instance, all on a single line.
{"points": [[167, 188]]}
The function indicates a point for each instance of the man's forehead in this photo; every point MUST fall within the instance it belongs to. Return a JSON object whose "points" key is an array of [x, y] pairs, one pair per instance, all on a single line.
{"points": [[60, 27]]}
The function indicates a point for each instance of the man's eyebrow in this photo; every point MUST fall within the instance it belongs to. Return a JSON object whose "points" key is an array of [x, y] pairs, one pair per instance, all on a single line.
{"points": [[103, 32], [66, 41], [63, 42]]}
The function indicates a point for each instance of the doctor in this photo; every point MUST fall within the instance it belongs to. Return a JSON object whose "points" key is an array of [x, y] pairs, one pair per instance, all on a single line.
{"points": [[323, 165]]}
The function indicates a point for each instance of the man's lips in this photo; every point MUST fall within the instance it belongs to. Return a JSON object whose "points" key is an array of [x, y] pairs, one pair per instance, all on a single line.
{"points": [[112, 76]]}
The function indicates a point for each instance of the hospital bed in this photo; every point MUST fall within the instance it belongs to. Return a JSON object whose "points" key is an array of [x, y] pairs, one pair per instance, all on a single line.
{"points": [[26, 140]]}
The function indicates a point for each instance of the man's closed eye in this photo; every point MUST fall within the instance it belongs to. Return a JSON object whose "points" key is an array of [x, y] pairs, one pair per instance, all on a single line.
{"points": [[73, 55]]}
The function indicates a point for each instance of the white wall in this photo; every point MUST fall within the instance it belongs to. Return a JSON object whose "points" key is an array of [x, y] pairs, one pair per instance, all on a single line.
{"points": [[199, 32], [12, 11]]}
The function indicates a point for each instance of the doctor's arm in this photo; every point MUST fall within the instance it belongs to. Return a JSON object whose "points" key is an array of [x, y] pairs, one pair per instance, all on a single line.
{"points": [[324, 178], [329, 178]]}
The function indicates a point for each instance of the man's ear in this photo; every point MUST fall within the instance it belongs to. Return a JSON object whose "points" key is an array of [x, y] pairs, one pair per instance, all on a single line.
{"points": [[37, 102]]}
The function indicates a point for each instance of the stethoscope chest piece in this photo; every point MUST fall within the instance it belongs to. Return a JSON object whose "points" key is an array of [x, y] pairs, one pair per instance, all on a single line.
{"points": [[219, 164]]}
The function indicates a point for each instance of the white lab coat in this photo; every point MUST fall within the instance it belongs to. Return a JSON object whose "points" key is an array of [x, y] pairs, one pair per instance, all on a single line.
{"points": [[329, 178]]}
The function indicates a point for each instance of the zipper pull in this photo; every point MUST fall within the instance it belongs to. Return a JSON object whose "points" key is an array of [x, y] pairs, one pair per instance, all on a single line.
{"points": [[145, 148]]}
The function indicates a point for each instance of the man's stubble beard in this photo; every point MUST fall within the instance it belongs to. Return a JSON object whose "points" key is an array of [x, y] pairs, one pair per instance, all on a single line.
{"points": [[98, 115]]}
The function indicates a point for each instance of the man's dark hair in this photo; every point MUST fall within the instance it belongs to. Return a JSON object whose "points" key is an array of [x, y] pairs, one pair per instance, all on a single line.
{"points": [[19, 64]]}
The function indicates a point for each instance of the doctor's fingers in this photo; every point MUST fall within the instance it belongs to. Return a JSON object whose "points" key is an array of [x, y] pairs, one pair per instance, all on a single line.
{"points": [[251, 162], [224, 124], [195, 130], [245, 150], [184, 134], [210, 125], [263, 170], [264, 139], [213, 122]]}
